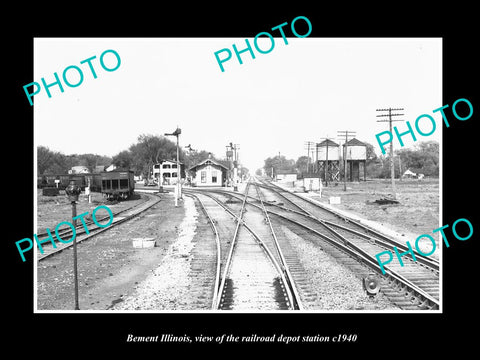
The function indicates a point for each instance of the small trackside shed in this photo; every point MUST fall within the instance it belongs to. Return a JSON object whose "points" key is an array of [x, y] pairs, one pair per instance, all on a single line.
{"points": [[209, 173], [285, 176]]}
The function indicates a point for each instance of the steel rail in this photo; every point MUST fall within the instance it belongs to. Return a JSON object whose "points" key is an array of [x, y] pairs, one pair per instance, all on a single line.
{"points": [[430, 263], [81, 228], [285, 198], [288, 275], [388, 242], [114, 223], [363, 257], [217, 242], [380, 239], [232, 246], [294, 303]]}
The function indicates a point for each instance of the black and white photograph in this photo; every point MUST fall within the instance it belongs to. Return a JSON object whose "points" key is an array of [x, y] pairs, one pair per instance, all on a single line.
{"points": [[200, 180], [258, 188]]}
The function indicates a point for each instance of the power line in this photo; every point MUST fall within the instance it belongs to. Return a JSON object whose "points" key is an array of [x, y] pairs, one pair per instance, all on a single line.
{"points": [[309, 145], [390, 120]]}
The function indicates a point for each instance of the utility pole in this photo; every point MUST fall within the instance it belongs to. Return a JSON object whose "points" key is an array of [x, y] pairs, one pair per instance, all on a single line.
{"points": [[345, 133], [390, 120], [400, 168], [327, 139], [309, 145]]}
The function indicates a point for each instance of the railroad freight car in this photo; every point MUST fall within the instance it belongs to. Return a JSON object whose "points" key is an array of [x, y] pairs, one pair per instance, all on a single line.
{"points": [[60, 181], [95, 181], [117, 184]]}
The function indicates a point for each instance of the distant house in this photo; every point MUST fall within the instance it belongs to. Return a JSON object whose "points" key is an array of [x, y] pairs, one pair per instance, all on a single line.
{"points": [[209, 173], [98, 169], [168, 171], [110, 168], [411, 175], [78, 170]]}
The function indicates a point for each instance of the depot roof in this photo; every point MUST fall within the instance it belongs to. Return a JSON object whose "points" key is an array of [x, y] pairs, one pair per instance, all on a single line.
{"points": [[207, 162]]}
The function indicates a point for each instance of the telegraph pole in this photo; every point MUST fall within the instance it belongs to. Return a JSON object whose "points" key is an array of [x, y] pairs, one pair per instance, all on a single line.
{"points": [[326, 159], [309, 145], [390, 120], [345, 133]]}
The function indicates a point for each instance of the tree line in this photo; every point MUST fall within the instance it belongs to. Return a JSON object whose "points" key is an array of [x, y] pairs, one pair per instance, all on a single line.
{"points": [[55, 162], [139, 157], [422, 158]]}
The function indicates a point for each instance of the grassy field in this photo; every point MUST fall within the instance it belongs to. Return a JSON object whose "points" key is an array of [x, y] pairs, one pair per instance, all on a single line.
{"points": [[416, 213]]}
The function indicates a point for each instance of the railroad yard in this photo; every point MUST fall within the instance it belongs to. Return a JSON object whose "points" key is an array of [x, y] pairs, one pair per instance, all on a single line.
{"points": [[264, 182], [417, 211], [261, 248]]}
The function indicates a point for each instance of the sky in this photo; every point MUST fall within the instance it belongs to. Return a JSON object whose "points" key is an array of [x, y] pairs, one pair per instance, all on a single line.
{"points": [[304, 91]]}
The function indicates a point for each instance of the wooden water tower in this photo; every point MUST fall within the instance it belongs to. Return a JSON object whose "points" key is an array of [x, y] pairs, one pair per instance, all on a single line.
{"points": [[356, 156], [328, 160]]}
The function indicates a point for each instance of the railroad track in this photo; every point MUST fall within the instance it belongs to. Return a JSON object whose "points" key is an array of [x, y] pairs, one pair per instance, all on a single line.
{"points": [[316, 211], [255, 272], [204, 256], [413, 286], [93, 230]]}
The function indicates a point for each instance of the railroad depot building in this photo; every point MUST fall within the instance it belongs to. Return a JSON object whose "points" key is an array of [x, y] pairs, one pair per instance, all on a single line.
{"points": [[209, 173], [168, 172]]}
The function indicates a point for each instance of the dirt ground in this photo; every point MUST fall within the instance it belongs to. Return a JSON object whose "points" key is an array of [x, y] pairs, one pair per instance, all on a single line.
{"points": [[416, 213], [111, 270], [51, 210], [109, 267]]}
